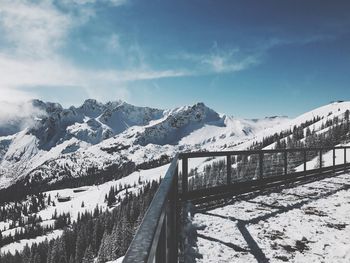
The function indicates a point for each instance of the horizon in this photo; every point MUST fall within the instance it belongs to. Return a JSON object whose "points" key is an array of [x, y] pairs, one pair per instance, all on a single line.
{"points": [[239, 58]]}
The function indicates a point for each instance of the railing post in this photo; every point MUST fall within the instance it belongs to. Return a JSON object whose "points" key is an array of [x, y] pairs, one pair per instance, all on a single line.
{"points": [[261, 165], [285, 153], [345, 159], [184, 193], [229, 169], [162, 245], [334, 160], [184, 176], [305, 160], [168, 230], [173, 222]]}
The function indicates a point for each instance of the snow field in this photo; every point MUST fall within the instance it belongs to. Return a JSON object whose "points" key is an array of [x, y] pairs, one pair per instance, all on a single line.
{"points": [[307, 223]]}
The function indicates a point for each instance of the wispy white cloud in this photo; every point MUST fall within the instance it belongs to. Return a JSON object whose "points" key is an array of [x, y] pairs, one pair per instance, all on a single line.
{"points": [[14, 95], [225, 63], [35, 32], [229, 60], [59, 72], [85, 2], [274, 42], [15, 116], [219, 60]]}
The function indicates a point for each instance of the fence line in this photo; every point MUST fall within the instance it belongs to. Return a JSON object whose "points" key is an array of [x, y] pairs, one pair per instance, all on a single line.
{"points": [[158, 237]]}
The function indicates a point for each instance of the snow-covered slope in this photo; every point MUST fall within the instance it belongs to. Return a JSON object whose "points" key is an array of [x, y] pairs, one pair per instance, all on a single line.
{"points": [[325, 113], [91, 196]]}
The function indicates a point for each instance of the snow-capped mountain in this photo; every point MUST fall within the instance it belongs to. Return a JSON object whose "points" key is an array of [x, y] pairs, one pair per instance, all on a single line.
{"points": [[64, 149], [61, 143]]}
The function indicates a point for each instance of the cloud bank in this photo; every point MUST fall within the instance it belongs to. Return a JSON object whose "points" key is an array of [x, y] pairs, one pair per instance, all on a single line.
{"points": [[15, 116], [34, 34]]}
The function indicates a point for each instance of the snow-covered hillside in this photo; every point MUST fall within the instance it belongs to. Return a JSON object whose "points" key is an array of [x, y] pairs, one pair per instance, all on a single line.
{"points": [[68, 143], [90, 196], [60, 144], [119, 142], [317, 119]]}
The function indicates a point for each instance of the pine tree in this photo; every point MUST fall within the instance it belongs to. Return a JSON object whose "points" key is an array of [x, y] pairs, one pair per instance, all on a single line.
{"points": [[308, 132], [127, 232], [104, 253], [88, 256], [97, 235], [58, 252], [80, 245], [111, 196], [26, 254], [36, 258], [54, 216]]}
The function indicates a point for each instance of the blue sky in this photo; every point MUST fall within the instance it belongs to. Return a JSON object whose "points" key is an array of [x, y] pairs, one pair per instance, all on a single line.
{"points": [[244, 58]]}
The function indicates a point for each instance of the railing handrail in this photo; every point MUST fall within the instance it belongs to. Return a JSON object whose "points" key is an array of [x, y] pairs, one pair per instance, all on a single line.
{"points": [[201, 154], [144, 245], [147, 245]]}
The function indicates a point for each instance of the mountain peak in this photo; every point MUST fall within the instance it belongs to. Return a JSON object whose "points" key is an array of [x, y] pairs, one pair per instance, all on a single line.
{"points": [[46, 106], [202, 111], [91, 103], [200, 104]]}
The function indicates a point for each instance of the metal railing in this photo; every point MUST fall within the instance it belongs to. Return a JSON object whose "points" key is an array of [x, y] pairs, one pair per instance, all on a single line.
{"points": [[158, 237]]}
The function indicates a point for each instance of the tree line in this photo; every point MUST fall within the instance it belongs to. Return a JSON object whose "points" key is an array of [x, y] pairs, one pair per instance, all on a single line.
{"points": [[94, 235]]}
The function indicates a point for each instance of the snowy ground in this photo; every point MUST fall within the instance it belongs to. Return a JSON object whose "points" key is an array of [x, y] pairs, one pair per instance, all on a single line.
{"points": [[307, 223]]}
